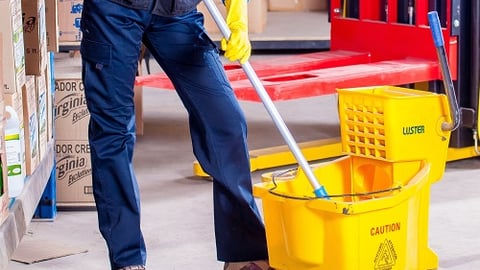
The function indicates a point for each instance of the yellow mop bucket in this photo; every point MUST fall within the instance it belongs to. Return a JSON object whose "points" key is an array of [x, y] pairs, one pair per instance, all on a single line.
{"points": [[377, 214]]}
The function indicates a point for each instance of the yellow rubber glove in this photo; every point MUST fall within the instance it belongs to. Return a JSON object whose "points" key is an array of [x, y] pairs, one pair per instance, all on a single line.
{"points": [[238, 46]]}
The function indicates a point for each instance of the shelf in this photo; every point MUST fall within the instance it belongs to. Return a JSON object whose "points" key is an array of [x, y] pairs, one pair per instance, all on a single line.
{"points": [[23, 208]]}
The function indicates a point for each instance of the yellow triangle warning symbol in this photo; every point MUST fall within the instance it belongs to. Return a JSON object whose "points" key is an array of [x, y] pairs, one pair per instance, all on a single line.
{"points": [[386, 256]]}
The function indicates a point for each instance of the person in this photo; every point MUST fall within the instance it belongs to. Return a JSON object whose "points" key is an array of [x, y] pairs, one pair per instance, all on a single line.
{"points": [[173, 32]]}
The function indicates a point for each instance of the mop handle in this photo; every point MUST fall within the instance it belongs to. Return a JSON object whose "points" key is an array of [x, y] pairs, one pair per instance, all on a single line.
{"points": [[447, 78], [318, 190]]}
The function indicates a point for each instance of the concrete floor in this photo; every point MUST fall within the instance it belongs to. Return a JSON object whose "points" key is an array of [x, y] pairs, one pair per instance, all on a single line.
{"points": [[177, 206]]}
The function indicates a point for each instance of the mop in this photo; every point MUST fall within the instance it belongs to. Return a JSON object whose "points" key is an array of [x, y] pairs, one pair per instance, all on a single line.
{"points": [[318, 189]]}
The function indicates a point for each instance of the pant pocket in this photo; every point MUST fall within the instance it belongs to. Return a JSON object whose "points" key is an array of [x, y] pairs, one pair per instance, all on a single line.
{"points": [[96, 52]]}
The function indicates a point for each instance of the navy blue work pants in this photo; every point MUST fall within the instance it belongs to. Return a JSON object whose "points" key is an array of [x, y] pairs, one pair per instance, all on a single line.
{"points": [[112, 36]]}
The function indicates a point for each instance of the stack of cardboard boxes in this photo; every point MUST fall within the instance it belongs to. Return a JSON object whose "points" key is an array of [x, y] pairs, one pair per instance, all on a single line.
{"points": [[74, 171], [26, 78], [73, 167]]}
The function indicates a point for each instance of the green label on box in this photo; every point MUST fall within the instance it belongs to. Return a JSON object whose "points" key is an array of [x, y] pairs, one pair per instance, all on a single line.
{"points": [[14, 170]]}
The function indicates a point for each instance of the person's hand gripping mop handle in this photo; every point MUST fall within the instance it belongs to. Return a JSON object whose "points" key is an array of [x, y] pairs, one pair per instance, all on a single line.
{"points": [[318, 189]]}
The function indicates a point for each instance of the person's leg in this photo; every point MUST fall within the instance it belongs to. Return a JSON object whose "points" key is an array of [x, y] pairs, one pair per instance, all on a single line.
{"points": [[218, 129], [110, 49]]}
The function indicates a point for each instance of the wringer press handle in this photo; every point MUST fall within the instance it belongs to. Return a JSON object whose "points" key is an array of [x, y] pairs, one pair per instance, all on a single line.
{"points": [[318, 189], [447, 78]]}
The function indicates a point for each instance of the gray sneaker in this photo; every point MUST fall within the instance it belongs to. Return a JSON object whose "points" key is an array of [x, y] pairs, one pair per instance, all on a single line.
{"points": [[133, 267]]}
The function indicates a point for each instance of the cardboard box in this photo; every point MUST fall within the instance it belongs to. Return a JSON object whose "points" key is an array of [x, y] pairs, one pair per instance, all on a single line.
{"points": [[11, 27], [74, 172], [69, 15], [41, 96], [257, 16], [34, 36], [286, 5], [51, 21], [71, 113], [30, 123], [315, 5]]}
